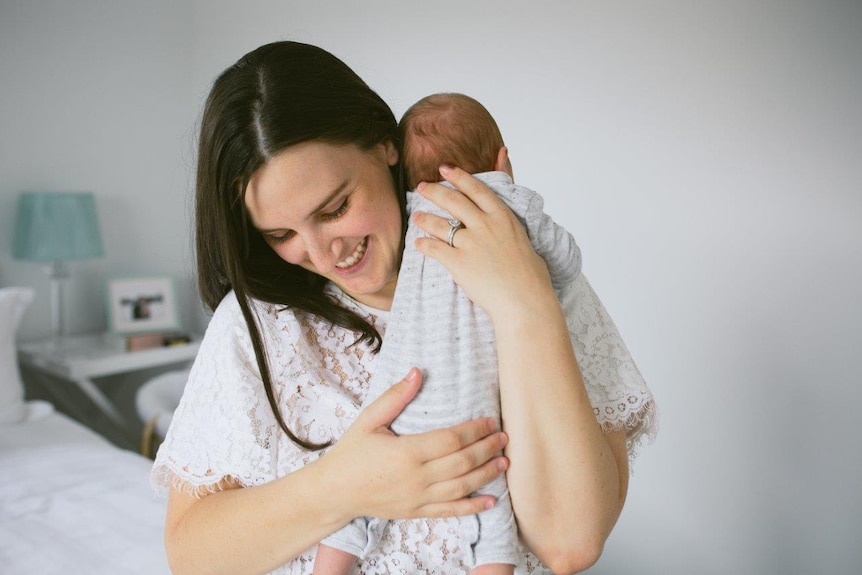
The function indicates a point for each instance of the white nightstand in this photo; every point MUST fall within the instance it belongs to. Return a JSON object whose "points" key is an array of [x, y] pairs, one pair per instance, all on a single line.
{"points": [[84, 357]]}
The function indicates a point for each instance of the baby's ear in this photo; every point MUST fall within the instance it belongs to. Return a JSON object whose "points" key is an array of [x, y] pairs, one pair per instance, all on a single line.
{"points": [[503, 164]]}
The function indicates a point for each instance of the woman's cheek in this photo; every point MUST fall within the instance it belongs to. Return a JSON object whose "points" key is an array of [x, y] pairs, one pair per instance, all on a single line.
{"points": [[287, 253]]}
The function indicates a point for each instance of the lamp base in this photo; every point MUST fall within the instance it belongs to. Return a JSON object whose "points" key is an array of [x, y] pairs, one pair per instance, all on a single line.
{"points": [[59, 273]]}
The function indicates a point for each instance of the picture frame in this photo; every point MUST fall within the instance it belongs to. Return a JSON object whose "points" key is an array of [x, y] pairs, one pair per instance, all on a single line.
{"points": [[141, 304]]}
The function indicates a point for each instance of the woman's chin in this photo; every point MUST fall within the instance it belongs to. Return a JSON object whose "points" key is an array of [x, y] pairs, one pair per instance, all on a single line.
{"points": [[377, 294]]}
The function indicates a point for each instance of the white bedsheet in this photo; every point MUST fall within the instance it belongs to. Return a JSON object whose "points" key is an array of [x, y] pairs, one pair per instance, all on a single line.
{"points": [[71, 502]]}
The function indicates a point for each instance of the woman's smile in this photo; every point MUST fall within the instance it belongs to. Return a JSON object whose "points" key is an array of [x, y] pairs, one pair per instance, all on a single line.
{"points": [[355, 257]]}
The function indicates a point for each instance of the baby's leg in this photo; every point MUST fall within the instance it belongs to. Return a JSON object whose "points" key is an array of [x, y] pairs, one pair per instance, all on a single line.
{"points": [[332, 561], [493, 569]]}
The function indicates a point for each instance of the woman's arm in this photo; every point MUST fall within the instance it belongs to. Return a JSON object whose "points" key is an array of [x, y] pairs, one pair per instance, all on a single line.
{"points": [[567, 478], [369, 471]]}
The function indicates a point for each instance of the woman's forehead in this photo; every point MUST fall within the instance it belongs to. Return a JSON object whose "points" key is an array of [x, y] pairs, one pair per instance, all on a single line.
{"points": [[309, 163], [299, 180]]}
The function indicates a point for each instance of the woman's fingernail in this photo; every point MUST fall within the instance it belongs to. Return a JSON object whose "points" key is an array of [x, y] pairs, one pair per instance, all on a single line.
{"points": [[445, 169], [420, 186], [413, 375], [502, 464], [490, 503]]}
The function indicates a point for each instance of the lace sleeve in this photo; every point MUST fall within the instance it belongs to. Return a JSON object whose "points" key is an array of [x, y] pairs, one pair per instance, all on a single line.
{"points": [[222, 429], [617, 391]]}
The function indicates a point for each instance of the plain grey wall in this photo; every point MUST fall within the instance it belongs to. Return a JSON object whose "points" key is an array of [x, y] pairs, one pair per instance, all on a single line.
{"points": [[705, 154], [96, 96]]}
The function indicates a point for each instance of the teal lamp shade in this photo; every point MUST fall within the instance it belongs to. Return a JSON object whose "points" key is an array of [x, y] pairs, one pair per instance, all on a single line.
{"points": [[56, 226]]}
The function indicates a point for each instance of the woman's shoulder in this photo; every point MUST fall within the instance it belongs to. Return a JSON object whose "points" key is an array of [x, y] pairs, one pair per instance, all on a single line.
{"points": [[281, 327], [227, 333], [229, 312], [229, 308]]}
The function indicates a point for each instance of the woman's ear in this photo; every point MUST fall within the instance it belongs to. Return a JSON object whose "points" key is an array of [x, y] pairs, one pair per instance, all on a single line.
{"points": [[391, 152], [502, 164]]}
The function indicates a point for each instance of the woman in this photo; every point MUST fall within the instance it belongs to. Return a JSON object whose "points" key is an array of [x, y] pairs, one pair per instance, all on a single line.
{"points": [[300, 222]]}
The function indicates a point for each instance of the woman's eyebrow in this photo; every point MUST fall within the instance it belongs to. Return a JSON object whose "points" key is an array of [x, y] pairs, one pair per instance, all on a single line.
{"points": [[328, 198]]}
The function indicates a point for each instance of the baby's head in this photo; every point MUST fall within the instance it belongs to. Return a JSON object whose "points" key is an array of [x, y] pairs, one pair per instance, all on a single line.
{"points": [[449, 129]]}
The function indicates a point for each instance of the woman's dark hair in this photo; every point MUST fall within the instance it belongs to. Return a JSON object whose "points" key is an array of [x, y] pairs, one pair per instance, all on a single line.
{"points": [[276, 96]]}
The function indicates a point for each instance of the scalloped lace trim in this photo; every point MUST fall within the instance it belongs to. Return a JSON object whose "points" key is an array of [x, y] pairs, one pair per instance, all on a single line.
{"points": [[163, 478], [641, 427]]}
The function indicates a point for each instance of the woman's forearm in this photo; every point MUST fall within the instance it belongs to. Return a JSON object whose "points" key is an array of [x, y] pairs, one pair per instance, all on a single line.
{"points": [[369, 472], [567, 479], [250, 530]]}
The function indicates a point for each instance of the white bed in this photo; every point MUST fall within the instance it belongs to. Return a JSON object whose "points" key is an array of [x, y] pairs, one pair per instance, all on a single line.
{"points": [[70, 501]]}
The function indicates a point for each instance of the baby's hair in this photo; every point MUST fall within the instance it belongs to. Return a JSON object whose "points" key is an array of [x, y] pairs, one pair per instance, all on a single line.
{"points": [[447, 128]]}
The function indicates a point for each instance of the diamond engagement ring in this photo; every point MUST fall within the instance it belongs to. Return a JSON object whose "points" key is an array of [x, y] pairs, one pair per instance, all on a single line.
{"points": [[454, 226]]}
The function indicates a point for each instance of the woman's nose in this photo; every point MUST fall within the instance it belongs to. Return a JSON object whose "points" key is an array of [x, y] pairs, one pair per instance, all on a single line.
{"points": [[322, 252]]}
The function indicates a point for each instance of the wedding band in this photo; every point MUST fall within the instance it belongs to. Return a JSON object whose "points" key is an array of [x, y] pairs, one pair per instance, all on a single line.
{"points": [[454, 226]]}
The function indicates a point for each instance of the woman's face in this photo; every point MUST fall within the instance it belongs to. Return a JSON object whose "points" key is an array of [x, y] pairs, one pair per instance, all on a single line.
{"points": [[332, 209]]}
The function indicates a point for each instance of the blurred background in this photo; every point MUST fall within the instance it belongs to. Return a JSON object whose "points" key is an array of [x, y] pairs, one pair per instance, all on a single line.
{"points": [[706, 155]]}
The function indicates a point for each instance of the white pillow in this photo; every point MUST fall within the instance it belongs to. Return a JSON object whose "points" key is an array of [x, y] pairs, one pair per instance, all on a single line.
{"points": [[13, 302]]}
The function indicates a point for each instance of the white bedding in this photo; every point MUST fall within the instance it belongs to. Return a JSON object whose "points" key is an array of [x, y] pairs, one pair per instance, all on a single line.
{"points": [[71, 502]]}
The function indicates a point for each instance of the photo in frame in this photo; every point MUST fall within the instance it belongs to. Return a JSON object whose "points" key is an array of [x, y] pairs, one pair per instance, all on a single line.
{"points": [[141, 304]]}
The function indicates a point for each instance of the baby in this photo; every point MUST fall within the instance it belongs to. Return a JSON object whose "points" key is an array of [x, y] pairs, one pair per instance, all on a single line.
{"points": [[434, 325]]}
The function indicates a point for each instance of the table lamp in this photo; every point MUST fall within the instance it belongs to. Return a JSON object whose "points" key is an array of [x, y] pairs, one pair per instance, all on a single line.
{"points": [[56, 227]]}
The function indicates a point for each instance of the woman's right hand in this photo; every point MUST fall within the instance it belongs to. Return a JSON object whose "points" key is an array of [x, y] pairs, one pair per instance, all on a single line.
{"points": [[431, 474]]}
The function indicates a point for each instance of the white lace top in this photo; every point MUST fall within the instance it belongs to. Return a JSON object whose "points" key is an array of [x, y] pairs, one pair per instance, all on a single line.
{"points": [[224, 428]]}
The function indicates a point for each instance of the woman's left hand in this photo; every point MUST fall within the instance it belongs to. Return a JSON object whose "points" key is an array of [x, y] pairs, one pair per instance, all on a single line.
{"points": [[491, 257]]}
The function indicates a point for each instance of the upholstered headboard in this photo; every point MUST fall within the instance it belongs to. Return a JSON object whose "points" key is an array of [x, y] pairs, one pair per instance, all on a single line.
{"points": [[13, 303]]}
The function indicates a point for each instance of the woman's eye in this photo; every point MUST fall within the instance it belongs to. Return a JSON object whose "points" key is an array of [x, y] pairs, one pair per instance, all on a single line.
{"points": [[338, 212], [279, 239]]}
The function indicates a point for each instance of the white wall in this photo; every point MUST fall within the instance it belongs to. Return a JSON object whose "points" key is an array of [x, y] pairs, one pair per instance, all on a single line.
{"points": [[95, 96], [706, 156]]}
